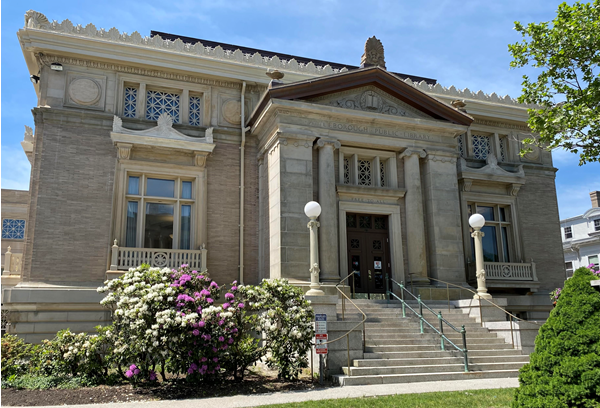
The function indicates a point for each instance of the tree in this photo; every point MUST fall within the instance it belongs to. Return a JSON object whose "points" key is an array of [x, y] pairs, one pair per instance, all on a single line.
{"points": [[567, 91], [564, 369]]}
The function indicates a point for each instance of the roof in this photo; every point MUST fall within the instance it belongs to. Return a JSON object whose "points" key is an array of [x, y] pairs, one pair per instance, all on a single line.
{"points": [[270, 54], [376, 76]]}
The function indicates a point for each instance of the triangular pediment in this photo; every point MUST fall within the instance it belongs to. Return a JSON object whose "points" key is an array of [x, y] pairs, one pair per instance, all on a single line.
{"points": [[370, 89], [370, 99]]}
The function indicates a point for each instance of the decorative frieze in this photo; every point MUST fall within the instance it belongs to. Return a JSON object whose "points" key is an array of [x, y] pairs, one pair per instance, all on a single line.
{"points": [[409, 152]]}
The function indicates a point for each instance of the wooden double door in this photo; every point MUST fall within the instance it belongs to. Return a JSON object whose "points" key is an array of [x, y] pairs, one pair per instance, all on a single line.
{"points": [[368, 253]]}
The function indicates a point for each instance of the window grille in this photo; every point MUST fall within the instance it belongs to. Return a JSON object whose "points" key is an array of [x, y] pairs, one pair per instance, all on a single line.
{"points": [[481, 146], [354, 244], [346, 170], [195, 110], [461, 146], [364, 221], [364, 173], [158, 103], [380, 223], [502, 149], [377, 244], [382, 173], [130, 102], [350, 221], [13, 229], [568, 233]]}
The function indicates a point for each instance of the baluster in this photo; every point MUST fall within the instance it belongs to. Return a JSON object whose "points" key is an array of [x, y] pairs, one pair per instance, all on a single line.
{"points": [[441, 330], [402, 297], [464, 339], [420, 312]]}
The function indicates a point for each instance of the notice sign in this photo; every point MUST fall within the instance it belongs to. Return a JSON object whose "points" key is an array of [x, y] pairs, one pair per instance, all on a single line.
{"points": [[321, 323], [321, 343], [377, 265]]}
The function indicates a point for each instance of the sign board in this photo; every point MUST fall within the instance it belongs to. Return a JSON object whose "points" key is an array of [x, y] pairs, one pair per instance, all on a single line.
{"points": [[320, 323], [320, 343], [377, 265], [321, 333]]}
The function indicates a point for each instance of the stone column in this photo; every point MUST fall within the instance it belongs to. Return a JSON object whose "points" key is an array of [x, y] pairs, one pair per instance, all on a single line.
{"points": [[328, 232], [415, 216]]}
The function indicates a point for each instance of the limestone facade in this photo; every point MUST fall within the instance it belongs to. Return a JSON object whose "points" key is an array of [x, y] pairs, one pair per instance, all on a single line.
{"points": [[396, 163]]}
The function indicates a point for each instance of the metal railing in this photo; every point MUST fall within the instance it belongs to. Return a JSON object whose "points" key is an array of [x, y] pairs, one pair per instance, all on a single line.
{"points": [[423, 320], [511, 317]]}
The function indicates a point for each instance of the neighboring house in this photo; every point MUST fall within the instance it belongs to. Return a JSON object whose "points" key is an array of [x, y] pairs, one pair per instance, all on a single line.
{"points": [[581, 237], [171, 150]]}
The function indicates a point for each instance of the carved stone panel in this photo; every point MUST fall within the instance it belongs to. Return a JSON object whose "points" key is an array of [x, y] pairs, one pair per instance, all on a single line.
{"points": [[230, 109], [370, 99], [86, 91]]}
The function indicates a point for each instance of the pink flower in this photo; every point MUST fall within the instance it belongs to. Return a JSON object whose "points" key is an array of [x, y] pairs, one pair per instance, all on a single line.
{"points": [[152, 376], [216, 359], [128, 373], [229, 295], [241, 305], [221, 338], [203, 359], [213, 284], [225, 306], [209, 300], [132, 367], [196, 332], [184, 265], [190, 371], [204, 292], [221, 322], [234, 288], [136, 371], [201, 324], [215, 350], [230, 340]]}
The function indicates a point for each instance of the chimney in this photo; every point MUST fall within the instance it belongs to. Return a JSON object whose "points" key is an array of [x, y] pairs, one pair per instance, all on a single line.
{"points": [[595, 195]]}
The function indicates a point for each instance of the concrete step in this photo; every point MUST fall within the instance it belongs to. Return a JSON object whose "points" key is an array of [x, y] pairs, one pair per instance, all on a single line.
{"points": [[445, 368], [429, 340], [431, 335], [439, 360], [420, 377]]}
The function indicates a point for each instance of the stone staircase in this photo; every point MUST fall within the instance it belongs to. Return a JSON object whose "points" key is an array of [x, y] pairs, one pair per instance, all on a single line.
{"points": [[396, 351]]}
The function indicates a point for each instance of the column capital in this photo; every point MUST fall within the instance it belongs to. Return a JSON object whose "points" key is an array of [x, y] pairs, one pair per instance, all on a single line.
{"points": [[322, 142], [409, 152]]}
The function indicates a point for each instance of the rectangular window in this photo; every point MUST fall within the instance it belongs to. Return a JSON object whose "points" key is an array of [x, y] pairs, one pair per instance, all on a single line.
{"points": [[593, 260], [481, 146], [568, 233], [159, 226], [569, 268], [195, 111], [134, 185], [13, 229], [461, 146], [503, 152], [132, 216], [382, 173], [186, 217], [363, 167], [497, 239], [158, 103], [160, 188], [186, 189], [597, 225], [346, 170], [365, 177], [130, 102]]}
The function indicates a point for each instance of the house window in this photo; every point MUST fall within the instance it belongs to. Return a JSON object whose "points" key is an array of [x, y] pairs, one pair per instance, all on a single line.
{"points": [[597, 225], [159, 212], [593, 260], [364, 173], [497, 240], [568, 233], [569, 268], [481, 146], [370, 168], [13, 229], [195, 111], [158, 103], [130, 102]]}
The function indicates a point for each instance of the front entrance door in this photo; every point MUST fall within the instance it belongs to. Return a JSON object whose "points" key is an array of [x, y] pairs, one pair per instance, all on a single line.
{"points": [[368, 253]]}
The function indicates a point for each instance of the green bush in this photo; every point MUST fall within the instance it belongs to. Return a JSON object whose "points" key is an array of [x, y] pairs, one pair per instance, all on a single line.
{"points": [[44, 382], [564, 370], [16, 356]]}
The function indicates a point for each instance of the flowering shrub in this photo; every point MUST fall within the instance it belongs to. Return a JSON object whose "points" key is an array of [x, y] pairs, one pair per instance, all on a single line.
{"points": [[555, 294], [286, 318], [16, 355], [168, 318]]}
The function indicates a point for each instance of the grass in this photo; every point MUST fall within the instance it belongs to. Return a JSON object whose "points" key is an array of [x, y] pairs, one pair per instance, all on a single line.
{"points": [[498, 398]]}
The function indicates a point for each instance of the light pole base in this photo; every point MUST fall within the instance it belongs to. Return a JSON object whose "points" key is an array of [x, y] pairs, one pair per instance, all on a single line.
{"points": [[482, 296], [315, 292]]}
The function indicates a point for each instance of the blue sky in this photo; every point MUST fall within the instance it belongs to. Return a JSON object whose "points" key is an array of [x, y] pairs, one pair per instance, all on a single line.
{"points": [[458, 43]]}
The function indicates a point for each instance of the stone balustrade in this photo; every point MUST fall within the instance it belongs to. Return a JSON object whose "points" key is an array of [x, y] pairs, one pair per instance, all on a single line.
{"points": [[124, 258], [510, 271]]}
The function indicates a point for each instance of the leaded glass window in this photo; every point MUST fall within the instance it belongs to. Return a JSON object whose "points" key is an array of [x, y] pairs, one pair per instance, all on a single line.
{"points": [[195, 110], [461, 146], [481, 146], [130, 102], [382, 173], [379, 223], [346, 170], [158, 103], [350, 221], [365, 173], [364, 221], [13, 229], [502, 149]]}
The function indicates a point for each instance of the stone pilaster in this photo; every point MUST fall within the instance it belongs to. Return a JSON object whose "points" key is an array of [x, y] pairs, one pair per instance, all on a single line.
{"points": [[444, 229], [415, 216], [290, 187], [328, 233]]}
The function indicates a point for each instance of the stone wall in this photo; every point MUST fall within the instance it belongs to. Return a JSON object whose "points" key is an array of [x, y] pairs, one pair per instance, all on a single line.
{"points": [[15, 205]]}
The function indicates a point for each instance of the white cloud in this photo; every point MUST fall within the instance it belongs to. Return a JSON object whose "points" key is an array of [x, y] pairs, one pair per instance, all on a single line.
{"points": [[15, 169]]}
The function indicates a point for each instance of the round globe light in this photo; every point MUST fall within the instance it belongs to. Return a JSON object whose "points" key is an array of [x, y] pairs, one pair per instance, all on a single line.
{"points": [[476, 221], [312, 209]]}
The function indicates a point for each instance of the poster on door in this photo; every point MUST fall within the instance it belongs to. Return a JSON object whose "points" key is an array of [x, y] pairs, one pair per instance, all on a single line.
{"points": [[377, 265]]}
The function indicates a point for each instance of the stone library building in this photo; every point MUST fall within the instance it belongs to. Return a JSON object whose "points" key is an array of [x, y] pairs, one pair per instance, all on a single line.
{"points": [[164, 149]]}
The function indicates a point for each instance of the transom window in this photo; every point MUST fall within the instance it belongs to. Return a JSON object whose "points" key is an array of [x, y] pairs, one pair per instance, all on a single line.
{"points": [[481, 146], [13, 229], [367, 168], [497, 240], [159, 212], [568, 233]]}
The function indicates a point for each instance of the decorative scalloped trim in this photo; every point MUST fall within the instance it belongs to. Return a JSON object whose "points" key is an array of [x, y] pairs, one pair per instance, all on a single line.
{"points": [[35, 20], [38, 21]]}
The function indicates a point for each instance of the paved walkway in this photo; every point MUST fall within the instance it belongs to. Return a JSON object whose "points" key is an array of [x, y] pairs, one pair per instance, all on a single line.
{"points": [[357, 391]]}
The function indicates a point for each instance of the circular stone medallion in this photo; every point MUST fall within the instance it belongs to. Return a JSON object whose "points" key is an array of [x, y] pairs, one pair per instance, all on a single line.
{"points": [[232, 112], [84, 91]]}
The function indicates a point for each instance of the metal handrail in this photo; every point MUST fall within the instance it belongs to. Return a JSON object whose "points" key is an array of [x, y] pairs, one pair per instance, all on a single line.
{"points": [[347, 334], [422, 320], [511, 316]]}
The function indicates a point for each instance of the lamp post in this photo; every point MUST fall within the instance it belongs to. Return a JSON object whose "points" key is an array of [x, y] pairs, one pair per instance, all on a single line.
{"points": [[312, 210], [477, 222]]}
